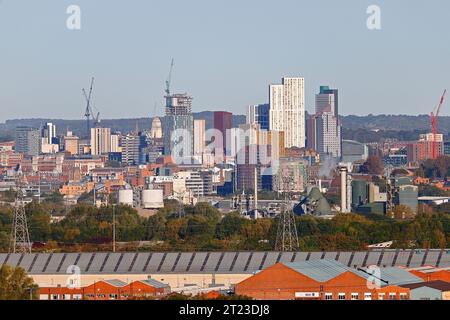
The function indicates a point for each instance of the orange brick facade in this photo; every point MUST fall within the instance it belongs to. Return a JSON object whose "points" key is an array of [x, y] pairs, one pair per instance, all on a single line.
{"points": [[103, 290], [280, 282], [443, 275]]}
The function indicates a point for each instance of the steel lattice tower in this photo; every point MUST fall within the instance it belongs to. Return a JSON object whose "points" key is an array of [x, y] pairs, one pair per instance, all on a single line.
{"points": [[20, 237], [287, 237]]}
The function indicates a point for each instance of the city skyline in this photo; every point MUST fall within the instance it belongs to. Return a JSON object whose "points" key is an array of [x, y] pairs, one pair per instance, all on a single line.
{"points": [[223, 66]]}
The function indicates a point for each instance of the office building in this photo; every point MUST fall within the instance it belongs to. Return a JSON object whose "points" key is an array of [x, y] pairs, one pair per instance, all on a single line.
{"points": [[287, 110], [28, 141], [178, 127], [115, 143], [223, 121], [324, 134], [199, 139], [100, 141], [49, 133], [323, 129], [133, 145], [259, 114], [327, 98]]}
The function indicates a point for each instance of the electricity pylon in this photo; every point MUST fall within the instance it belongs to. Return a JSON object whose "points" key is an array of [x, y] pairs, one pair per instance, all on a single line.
{"points": [[20, 237], [287, 237]]}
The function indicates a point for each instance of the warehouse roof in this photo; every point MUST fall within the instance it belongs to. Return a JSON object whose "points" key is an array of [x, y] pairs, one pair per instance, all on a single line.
{"points": [[155, 283], [244, 262], [438, 285], [323, 270], [398, 276], [116, 282]]}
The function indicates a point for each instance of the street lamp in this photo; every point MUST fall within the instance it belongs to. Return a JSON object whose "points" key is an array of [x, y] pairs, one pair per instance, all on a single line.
{"points": [[114, 228]]}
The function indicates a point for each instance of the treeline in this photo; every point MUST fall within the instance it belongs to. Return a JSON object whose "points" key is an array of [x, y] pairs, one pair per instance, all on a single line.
{"points": [[202, 227], [394, 122], [365, 135], [439, 168]]}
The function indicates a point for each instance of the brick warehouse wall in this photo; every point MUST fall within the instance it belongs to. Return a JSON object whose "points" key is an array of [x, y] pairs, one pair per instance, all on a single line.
{"points": [[282, 283], [276, 283]]}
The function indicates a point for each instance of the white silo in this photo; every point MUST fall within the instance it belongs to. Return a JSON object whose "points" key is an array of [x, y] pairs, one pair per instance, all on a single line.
{"points": [[126, 197], [152, 199]]}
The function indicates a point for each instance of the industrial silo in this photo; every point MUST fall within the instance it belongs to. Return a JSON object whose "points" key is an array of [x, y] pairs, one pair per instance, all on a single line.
{"points": [[152, 199], [126, 197]]}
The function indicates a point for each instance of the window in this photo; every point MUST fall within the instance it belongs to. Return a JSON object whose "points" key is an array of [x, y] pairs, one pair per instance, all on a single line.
{"points": [[54, 297], [77, 297], [66, 297], [328, 296], [113, 296], [381, 296], [392, 296], [367, 296], [355, 296], [403, 296], [341, 296]]}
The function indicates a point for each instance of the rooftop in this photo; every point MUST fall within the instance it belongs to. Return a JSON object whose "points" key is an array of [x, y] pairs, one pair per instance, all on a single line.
{"points": [[324, 270], [439, 285], [243, 262]]}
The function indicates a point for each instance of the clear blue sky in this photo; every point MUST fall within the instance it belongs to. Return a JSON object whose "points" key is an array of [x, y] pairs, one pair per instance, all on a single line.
{"points": [[226, 54]]}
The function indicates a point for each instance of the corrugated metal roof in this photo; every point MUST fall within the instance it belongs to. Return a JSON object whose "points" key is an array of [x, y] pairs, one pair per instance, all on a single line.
{"points": [[323, 270], [204, 262], [398, 276], [155, 283], [116, 283]]}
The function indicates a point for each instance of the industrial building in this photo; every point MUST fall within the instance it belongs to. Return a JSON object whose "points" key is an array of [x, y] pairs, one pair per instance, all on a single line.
{"points": [[353, 151], [326, 280], [203, 269], [433, 290], [107, 290]]}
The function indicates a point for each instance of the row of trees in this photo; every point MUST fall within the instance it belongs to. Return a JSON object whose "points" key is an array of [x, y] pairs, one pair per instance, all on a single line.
{"points": [[439, 168], [15, 284], [202, 227]]}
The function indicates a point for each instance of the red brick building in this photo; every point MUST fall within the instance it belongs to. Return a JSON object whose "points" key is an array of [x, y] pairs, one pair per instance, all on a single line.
{"points": [[107, 290], [325, 280], [440, 275]]}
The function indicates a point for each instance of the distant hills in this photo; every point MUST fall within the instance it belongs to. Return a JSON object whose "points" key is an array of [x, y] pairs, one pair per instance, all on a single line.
{"points": [[395, 122], [351, 123]]}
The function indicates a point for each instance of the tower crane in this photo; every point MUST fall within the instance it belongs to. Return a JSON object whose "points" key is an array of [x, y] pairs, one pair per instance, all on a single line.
{"points": [[88, 114], [434, 120], [169, 79]]}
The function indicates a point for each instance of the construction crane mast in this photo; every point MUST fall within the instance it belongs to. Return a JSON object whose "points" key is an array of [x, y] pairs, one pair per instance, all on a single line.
{"points": [[89, 114], [169, 79], [434, 121]]}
